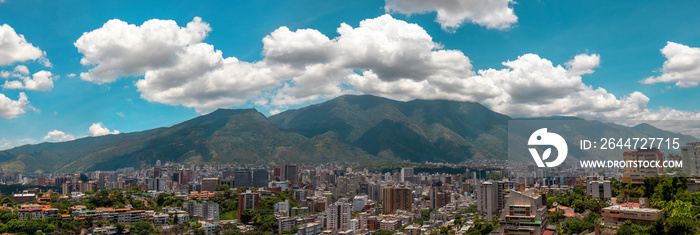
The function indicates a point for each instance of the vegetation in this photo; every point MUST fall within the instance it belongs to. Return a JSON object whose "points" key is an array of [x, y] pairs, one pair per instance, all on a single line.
{"points": [[143, 227], [482, 227]]}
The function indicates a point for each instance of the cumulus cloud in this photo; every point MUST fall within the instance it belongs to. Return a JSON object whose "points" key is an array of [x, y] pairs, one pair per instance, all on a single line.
{"points": [[39, 81], [8, 144], [451, 14], [202, 79], [58, 136], [682, 66], [178, 68], [11, 108], [583, 64], [119, 49], [96, 129], [15, 48], [382, 56], [383, 47]]}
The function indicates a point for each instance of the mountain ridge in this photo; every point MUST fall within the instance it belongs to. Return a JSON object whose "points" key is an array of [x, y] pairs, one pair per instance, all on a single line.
{"points": [[348, 128]]}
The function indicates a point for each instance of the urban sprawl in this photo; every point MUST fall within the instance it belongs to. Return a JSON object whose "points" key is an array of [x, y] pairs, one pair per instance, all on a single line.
{"points": [[474, 197]]}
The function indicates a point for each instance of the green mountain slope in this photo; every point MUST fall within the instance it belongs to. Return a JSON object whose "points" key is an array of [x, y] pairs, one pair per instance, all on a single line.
{"points": [[419, 130], [223, 136], [346, 129]]}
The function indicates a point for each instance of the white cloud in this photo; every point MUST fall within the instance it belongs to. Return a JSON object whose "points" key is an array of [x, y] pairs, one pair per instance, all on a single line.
{"points": [[15, 48], [11, 108], [583, 64], [385, 57], [70, 75], [121, 115], [22, 70], [383, 47], [682, 66], [96, 129], [40, 81], [58, 136], [451, 14], [8, 144], [202, 79], [118, 49]]}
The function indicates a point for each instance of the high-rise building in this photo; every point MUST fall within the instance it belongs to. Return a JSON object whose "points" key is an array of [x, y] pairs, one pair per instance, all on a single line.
{"points": [[208, 211], [338, 215], [375, 192], [102, 179], [599, 189], [176, 177], [397, 198], [438, 197], [228, 174], [690, 154], [244, 178], [290, 172], [406, 172], [346, 186], [248, 200], [636, 174], [157, 184], [491, 197], [260, 178], [157, 172], [524, 213], [186, 177], [209, 184], [359, 202]]}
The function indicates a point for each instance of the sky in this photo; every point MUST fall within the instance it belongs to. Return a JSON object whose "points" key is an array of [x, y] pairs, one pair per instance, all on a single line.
{"points": [[73, 69]]}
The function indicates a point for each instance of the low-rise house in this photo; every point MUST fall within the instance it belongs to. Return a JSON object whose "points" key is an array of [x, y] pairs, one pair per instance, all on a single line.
{"points": [[617, 215]]}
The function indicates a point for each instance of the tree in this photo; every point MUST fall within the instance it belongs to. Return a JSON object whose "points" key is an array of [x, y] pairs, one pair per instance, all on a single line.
{"points": [[458, 219], [575, 225], [222, 187], [554, 218], [247, 216], [470, 209], [7, 200], [444, 230], [482, 227], [143, 227]]}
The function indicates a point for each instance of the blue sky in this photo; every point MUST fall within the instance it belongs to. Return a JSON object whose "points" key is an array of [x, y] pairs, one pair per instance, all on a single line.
{"points": [[463, 51]]}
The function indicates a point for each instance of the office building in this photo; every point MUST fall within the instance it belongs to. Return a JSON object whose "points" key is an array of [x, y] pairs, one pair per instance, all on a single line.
{"points": [[617, 215], [406, 173], [248, 200], [690, 154], [338, 216], [491, 197], [599, 189], [209, 184], [397, 198], [524, 213], [636, 174], [243, 178], [289, 172], [438, 197], [260, 178]]}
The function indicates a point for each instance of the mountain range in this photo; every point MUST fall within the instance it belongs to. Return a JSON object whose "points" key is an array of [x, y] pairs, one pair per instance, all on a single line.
{"points": [[345, 129]]}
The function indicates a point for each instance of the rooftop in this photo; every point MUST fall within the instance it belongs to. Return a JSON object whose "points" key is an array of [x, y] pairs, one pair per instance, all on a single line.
{"points": [[632, 209]]}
